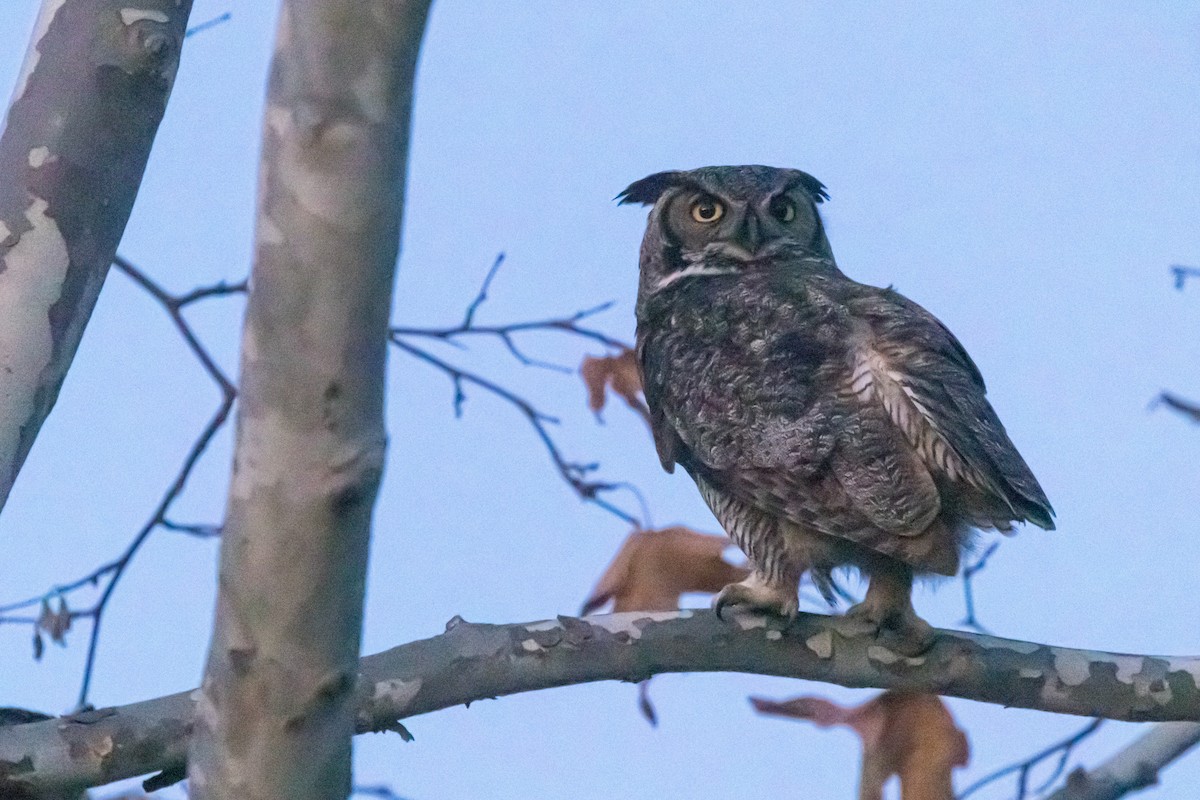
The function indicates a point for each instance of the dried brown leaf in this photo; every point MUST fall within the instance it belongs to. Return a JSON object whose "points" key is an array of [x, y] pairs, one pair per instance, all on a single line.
{"points": [[903, 733], [653, 568], [55, 623], [620, 374]]}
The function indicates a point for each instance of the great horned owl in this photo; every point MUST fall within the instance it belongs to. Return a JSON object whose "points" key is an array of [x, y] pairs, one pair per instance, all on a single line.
{"points": [[826, 423]]}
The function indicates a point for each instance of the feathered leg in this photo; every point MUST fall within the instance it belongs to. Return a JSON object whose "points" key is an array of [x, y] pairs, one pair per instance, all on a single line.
{"points": [[773, 586]]}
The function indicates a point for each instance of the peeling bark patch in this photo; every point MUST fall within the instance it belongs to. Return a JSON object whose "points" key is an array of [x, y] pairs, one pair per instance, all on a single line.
{"points": [[370, 90], [8, 768], [396, 693], [131, 15], [990, 643], [89, 749], [882, 654], [821, 644], [34, 54], [33, 273], [1072, 666], [1151, 681], [627, 623], [548, 625], [267, 232], [1189, 666], [39, 156], [749, 621]]}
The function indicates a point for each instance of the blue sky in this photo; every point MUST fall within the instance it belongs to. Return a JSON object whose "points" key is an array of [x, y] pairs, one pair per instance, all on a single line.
{"points": [[1027, 172]]}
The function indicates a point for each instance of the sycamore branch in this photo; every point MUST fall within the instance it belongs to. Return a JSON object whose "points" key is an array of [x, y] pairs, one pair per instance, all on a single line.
{"points": [[471, 662], [75, 144], [1136, 767]]}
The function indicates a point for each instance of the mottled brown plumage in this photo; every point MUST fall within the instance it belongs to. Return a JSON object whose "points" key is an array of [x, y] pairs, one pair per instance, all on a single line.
{"points": [[827, 423]]}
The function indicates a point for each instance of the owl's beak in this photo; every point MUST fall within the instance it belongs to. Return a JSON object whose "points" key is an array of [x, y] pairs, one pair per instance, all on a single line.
{"points": [[747, 237]]}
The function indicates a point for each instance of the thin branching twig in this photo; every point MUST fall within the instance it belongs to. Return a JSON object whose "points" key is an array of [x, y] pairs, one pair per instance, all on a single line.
{"points": [[108, 575], [1025, 768], [577, 475], [969, 572], [1182, 273], [210, 23], [382, 792], [1187, 408]]}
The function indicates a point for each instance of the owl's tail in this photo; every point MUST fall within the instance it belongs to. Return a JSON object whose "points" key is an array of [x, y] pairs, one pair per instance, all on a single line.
{"points": [[831, 591]]}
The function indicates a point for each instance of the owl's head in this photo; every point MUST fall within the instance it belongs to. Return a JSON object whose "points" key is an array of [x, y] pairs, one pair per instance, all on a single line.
{"points": [[722, 220]]}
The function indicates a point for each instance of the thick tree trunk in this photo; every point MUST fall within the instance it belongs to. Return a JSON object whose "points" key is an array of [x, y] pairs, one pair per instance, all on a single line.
{"points": [[77, 136], [276, 711]]}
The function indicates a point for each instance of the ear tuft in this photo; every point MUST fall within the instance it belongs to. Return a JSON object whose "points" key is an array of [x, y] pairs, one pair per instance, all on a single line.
{"points": [[649, 189], [814, 187]]}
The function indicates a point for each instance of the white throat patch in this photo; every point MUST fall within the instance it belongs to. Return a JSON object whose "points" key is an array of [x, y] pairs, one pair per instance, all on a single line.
{"points": [[694, 271]]}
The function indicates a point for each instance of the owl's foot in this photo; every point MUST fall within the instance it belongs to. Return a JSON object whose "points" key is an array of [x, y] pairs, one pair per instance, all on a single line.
{"points": [[756, 593], [887, 614]]}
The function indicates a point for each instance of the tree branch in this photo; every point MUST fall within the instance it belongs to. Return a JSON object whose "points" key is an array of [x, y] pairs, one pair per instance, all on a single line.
{"points": [[1133, 768], [472, 662], [87, 104]]}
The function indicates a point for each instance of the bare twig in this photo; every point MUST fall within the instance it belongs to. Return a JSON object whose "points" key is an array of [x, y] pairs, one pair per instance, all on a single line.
{"points": [[506, 333], [1023, 769], [110, 573], [1134, 767], [482, 295], [200, 531], [969, 572], [1176, 403], [577, 475], [211, 23], [574, 473], [383, 792], [1182, 273]]}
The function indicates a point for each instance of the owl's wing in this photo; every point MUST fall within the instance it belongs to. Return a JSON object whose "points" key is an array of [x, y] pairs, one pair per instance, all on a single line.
{"points": [[934, 394], [666, 439]]}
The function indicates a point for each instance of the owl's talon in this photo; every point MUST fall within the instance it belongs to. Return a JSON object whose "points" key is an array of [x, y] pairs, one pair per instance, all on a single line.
{"points": [[898, 629], [757, 595]]}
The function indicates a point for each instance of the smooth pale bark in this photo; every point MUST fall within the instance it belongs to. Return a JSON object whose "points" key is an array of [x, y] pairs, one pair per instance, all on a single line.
{"points": [[77, 136], [1134, 768], [275, 715], [472, 662]]}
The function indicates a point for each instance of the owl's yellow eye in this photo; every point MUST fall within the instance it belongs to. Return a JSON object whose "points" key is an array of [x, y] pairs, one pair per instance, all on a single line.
{"points": [[783, 209], [707, 210]]}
